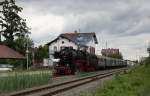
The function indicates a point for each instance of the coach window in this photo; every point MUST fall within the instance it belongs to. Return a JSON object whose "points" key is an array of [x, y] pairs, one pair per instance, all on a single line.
{"points": [[55, 48]]}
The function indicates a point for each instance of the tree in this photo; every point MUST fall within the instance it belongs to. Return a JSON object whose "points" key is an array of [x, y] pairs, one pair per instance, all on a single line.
{"points": [[148, 50], [41, 52], [12, 25], [147, 59], [21, 44]]}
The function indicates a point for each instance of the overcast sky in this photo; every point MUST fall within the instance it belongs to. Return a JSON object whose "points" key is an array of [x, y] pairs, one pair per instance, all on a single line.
{"points": [[123, 24]]}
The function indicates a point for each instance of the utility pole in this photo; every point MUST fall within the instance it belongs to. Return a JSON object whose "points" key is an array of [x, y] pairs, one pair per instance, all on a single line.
{"points": [[106, 44], [100, 40], [27, 52], [106, 56], [79, 30], [0, 36]]}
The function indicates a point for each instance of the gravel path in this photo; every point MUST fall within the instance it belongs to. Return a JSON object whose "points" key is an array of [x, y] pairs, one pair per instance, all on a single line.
{"points": [[56, 80], [61, 79], [85, 90]]}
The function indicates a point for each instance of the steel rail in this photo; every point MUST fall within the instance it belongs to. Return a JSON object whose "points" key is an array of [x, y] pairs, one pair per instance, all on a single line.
{"points": [[73, 86], [48, 87]]}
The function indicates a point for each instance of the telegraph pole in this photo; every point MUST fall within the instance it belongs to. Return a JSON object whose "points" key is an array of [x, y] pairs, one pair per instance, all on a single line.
{"points": [[0, 36], [27, 52], [106, 44], [106, 56]]}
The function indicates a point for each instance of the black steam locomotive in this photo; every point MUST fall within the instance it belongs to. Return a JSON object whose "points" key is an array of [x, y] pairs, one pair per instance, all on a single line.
{"points": [[71, 61]]}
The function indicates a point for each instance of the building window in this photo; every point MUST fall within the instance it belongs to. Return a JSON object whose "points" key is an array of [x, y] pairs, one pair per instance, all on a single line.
{"points": [[55, 48], [92, 50], [63, 42]]}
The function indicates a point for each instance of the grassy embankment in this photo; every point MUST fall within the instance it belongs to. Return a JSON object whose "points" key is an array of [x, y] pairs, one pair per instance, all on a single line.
{"points": [[134, 83], [12, 81]]}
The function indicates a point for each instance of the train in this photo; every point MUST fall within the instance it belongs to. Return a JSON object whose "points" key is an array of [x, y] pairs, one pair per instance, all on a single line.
{"points": [[69, 61]]}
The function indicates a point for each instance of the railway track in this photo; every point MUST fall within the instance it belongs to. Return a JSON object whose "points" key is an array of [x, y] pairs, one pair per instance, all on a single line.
{"points": [[50, 90]]}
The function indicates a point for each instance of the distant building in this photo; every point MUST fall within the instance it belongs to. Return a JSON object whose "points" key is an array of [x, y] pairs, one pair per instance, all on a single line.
{"points": [[110, 51], [82, 41]]}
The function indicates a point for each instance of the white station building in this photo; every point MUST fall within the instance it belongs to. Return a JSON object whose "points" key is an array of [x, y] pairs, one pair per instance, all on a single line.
{"points": [[82, 41]]}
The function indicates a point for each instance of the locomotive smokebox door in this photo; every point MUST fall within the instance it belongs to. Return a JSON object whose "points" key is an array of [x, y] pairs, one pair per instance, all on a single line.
{"points": [[55, 64]]}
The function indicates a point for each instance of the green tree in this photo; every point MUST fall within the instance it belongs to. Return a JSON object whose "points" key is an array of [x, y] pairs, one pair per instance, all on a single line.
{"points": [[21, 44], [12, 25], [148, 50], [40, 53]]}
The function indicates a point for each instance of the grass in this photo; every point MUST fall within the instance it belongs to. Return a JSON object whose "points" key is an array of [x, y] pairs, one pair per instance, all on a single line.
{"points": [[21, 80], [134, 83]]}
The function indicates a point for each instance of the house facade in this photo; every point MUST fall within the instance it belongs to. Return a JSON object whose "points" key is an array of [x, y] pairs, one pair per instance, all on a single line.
{"points": [[59, 43], [75, 40]]}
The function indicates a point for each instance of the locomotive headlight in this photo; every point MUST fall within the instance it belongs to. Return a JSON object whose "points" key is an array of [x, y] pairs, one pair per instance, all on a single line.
{"points": [[56, 60], [56, 65]]}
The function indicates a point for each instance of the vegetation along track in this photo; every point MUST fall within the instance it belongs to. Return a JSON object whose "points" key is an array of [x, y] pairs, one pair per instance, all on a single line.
{"points": [[50, 90]]}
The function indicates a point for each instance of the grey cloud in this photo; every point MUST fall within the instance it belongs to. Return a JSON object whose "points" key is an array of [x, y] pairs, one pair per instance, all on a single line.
{"points": [[115, 19], [102, 16]]}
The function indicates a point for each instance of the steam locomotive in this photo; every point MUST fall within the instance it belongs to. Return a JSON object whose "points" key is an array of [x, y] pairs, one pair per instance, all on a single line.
{"points": [[69, 61]]}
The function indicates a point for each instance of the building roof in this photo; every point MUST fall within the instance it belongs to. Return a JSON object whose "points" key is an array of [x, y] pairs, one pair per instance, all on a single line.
{"points": [[8, 53], [78, 38], [57, 39]]}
